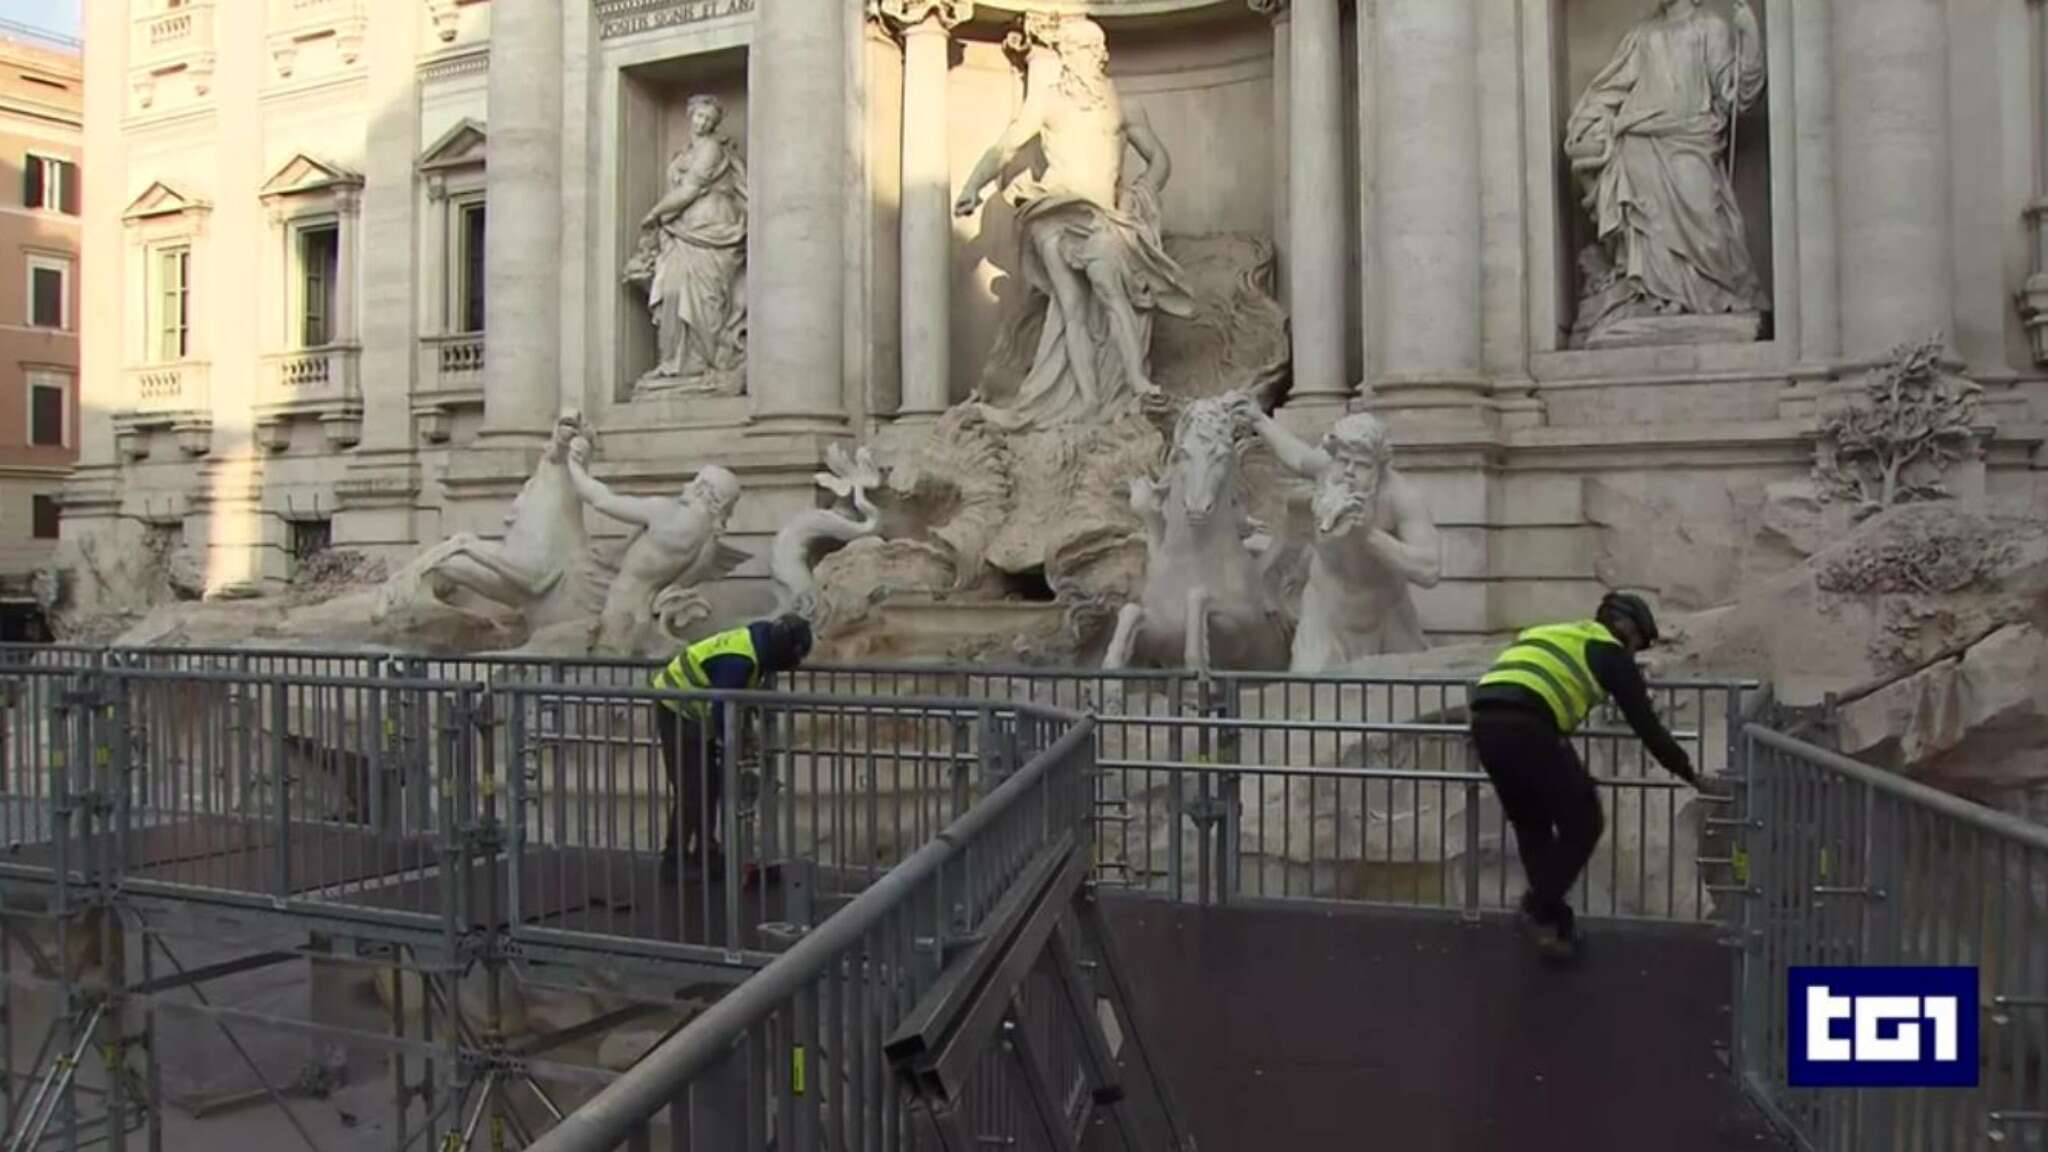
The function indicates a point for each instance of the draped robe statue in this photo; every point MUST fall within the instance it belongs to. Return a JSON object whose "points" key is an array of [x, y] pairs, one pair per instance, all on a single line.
{"points": [[1651, 145], [692, 262], [1091, 246]]}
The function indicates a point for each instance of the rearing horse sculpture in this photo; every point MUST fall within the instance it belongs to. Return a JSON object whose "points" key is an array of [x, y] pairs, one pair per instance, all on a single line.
{"points": [[1205, 595]]}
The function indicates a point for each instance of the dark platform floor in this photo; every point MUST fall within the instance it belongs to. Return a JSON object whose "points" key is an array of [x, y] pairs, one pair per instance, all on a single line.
{"points": [[1297, 1031]]}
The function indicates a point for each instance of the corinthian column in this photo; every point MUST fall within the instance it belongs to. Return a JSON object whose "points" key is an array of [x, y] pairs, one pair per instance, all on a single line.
{"points": [[927, 222], [1892, 120], [796, 144], [1315, 192], [522, 246], [1428, 227]]}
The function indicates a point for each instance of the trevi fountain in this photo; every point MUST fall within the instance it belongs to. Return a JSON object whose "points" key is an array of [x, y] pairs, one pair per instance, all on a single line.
{"points": [[1315, 336]]}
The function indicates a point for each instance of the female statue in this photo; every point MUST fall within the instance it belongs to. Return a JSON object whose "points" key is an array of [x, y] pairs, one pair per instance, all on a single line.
{"points": [[693, 261]]}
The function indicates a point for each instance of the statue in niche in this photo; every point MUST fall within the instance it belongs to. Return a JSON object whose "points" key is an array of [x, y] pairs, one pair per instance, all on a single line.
{"points": [[1091, 245], [651, 598], [691, 262], [1372, 539], [1652, 145]]}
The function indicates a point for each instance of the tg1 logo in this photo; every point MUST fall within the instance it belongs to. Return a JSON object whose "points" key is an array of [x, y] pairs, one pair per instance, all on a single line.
{"points": [[1856, 1027]]}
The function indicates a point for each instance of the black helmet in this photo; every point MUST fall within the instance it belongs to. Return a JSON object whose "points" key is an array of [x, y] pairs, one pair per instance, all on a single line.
{"points": [[792, 639], [1632, 608]]}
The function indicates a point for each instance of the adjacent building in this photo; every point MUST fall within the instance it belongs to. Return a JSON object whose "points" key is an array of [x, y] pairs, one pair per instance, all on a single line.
{"points": [[42, 110]]}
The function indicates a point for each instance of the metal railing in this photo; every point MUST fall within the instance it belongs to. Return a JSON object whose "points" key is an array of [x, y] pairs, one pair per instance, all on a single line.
{"points": [[831, 792], [794, 1057], [1220, 787], [1847, 864]]}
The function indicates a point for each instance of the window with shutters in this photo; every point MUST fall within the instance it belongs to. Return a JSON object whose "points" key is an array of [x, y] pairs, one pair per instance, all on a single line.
{"points": [[49, 184], [469, 285], [318, 253], [48, 398], [49, 292], [48, 517], [170, 302]]}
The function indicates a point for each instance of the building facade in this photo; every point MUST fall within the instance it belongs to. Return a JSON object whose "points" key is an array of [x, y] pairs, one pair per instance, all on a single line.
{"points": [[345, 273], [42, 108]]}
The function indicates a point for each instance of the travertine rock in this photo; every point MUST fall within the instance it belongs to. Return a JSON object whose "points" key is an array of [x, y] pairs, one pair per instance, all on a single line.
{"points": [[1976, 724], [1908, 587]]}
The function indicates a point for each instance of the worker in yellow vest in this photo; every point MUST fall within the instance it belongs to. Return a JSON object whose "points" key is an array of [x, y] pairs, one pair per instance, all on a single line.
{"points": [[1524, 711], [693, 730]]}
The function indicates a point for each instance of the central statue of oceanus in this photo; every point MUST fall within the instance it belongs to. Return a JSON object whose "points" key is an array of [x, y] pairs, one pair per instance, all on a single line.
{"points": [[1091, 248]]}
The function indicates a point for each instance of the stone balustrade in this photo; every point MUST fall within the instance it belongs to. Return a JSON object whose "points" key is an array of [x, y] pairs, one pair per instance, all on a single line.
{"points": [[451, 367], [165, 388], [312, 378], [166, 34]]}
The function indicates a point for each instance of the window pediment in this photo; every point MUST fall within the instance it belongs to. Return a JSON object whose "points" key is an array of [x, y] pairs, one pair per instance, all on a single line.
{"points": [[303, 175], [462, 146], [162, 200]]}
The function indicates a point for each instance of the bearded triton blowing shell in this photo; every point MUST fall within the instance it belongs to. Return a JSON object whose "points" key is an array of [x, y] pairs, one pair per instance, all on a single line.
{"points": [[1374, 539]]}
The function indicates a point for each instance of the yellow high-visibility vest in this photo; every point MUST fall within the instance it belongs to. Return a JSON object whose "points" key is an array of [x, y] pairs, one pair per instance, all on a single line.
{"points": [[686, 671], [1550, 660]]}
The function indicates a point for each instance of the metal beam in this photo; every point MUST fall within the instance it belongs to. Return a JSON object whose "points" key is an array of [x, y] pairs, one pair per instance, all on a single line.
{"points": [[211, 972], [949, 1067], [938, 1012]]}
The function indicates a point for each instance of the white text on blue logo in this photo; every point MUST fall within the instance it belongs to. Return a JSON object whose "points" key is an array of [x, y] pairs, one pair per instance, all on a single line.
{"points": [[1824, 1010]]}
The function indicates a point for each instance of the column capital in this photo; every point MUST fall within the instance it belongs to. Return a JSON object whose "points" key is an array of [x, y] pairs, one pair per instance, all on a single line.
{"points": [[906, 15], [1275, 9], [1036, 32]]}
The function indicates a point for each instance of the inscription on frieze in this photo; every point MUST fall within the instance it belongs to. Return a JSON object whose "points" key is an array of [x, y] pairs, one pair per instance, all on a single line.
{"points": [[630, 17]]}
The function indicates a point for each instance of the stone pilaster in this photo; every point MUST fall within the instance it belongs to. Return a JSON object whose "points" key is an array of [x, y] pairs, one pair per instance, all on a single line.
{"points": [[1813, 81], [2034, 298], [1283, 97], [1316, 201], [1428, 226], [796, 75], [522, 246], [926, 229], [1892, 160]]}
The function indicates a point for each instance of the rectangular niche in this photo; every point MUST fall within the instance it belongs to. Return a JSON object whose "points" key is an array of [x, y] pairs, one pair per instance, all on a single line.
{"points": [[1587, 36], [654, 127]]}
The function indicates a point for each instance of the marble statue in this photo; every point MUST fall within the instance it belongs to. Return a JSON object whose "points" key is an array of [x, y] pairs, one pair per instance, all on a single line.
{"points": [[1091, 247], [532, 570], [692, 262], [799, 543], [1373, 539], [1205, 579], [1651, 143], [652, 598]]}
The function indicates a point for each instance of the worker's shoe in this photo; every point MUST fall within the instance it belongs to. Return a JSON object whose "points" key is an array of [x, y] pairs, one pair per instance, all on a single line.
{"points": [[1556, 940]]}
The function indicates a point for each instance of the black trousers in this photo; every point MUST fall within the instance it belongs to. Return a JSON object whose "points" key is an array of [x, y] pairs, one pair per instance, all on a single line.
{"points": [[1548, 797], [696, 781]]}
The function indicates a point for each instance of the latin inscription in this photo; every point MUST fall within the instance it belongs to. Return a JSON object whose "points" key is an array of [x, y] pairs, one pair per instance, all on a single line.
{"points": [[669, 15]]}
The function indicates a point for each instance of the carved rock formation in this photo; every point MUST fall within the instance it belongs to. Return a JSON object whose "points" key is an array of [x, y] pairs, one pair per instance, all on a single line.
{"points": [[1894, 445]]}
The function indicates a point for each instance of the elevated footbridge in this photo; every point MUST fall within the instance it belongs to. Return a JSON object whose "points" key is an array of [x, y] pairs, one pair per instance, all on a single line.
{"points": [[966, 908]]}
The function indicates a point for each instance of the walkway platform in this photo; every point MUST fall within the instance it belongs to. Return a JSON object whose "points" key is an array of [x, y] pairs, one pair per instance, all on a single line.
{"points": [[1291, 1030]]}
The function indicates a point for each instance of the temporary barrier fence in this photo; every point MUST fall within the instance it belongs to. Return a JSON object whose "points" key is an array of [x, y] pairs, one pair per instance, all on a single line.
{"points": [[1846, 864], [426, 800]]}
